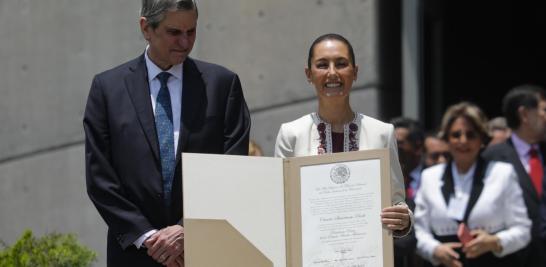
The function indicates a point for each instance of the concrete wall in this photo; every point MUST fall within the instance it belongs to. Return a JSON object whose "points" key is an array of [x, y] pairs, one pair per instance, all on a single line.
{"points": [[267, 43], [50, 50]]}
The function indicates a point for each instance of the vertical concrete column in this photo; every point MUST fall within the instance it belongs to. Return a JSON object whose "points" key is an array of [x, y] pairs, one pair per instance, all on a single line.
{"points": [[412, 83]]}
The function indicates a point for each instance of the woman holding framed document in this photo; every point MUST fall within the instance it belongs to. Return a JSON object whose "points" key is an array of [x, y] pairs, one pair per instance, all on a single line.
{"points": [[335, 127], [470, 212]]}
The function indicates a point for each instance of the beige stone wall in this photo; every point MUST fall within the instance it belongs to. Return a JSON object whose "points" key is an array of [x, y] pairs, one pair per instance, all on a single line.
{"points": [[51, 49]]}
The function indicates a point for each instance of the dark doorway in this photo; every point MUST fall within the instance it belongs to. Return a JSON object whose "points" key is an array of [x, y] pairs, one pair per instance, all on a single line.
{"points": [[476, 51]]}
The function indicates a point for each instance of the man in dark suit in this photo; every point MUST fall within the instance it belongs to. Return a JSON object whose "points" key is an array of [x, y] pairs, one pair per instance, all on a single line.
{"points": [[139, 117], [409, 139], [525, 110], [543, 216]]}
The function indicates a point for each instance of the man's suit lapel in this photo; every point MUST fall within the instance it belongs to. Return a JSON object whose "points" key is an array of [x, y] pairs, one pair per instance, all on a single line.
{"points": [[477, 186], [448, 188], [194, 103], [524, 178], [137, 86]]}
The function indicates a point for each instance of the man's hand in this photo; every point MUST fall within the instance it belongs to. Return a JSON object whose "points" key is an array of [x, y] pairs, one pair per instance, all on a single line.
{"points": [[482, 243], [446, 254], [396, 217], [178, 262], [167, 245]]}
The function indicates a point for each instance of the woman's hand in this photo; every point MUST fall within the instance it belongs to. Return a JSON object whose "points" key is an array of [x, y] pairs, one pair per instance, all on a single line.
{"points": [[482, 243], [446, 254], [396, 218]]}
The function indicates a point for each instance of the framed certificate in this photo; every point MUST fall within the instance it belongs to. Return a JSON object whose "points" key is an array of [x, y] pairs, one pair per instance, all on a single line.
{"points": [[321, 211], [333, 210]]}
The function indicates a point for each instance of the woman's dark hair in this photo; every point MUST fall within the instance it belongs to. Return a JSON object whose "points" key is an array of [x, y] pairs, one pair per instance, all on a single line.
{"points": [[330, 36]]}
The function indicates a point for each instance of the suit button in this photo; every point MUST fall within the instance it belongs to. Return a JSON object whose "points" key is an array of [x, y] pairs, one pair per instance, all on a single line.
{"points": [[159, 195]]}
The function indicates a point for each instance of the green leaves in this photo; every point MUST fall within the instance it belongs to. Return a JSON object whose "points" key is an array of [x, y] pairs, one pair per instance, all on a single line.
{"points": [[51, 250]]}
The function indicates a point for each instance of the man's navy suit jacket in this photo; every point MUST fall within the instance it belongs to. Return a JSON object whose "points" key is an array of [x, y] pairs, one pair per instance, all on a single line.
{"points": [[535, 253], [123, 170]]}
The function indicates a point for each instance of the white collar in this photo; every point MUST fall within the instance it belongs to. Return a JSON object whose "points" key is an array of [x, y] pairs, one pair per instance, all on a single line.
{"points": [[462, 176], [521, 146], [154, 70]]}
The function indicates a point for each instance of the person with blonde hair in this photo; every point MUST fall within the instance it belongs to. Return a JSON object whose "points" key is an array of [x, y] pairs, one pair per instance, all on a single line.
{"points": [[469, 192]]}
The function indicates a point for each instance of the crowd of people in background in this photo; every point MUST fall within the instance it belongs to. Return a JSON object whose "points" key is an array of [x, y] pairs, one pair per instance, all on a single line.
{"points": [[487, 175], [469, 194], [493, 169]]}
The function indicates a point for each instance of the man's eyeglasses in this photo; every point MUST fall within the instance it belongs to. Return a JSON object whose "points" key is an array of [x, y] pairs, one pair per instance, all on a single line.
{"points": [[470, 135]]}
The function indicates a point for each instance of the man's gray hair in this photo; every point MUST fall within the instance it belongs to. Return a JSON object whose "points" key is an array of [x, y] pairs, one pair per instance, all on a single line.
{"points": [[154, 10]]}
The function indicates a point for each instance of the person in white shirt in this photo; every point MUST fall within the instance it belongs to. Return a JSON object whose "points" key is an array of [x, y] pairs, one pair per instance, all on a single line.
{"points": [[335, 127], [484, 195]]}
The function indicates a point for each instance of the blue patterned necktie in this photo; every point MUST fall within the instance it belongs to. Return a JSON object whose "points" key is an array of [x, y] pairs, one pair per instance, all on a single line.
{"points": [[164, 127]]}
